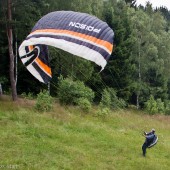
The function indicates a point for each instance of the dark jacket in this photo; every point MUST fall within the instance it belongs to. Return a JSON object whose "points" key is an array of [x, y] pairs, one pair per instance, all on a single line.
{"points": [[149, 137]]}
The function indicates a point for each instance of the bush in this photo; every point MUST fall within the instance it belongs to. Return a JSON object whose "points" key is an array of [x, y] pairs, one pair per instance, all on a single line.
{"points": [[151, 105], [84, 104], [106, 99], [160, 106], [103, 112], [155, 106], [44, 102], [121, 103], [27, 96], [70, 91], [167, 108], [110, 99]]}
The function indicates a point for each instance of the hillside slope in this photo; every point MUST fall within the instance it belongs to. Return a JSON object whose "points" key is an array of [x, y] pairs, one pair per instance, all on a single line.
{"points": [[69, 139]]}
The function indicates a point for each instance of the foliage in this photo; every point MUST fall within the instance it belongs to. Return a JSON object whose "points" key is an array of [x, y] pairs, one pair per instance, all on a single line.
{"points": [[70, 91], [160, 105], [84, 104], [67, 65], [3, 80], [151, 105], [103, 111], [28, 96], [154, 106], [167, 108], [44, 102], [106, 99], [139, 64], [110, 99]]}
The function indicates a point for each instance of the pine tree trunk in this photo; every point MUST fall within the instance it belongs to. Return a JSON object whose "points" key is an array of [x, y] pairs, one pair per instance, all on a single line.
{"points": [[11, 54], [0, 89]]}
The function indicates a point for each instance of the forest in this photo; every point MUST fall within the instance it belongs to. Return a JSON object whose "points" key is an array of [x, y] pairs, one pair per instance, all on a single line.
{"points": [[137, 72]]}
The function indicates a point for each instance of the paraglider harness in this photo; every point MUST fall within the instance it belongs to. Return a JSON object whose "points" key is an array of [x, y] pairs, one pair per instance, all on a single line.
{"points": [[151, 139]]}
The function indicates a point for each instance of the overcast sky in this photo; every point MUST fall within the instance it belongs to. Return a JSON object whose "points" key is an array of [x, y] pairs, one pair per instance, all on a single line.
{"points": [[155, 3]]}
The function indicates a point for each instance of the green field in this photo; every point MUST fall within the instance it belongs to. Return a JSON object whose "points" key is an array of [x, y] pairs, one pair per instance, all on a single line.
{"points": [[69, 139]]}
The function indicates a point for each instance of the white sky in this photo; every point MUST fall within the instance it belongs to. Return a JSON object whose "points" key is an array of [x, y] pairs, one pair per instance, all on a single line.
{"points": [[155, 3]]}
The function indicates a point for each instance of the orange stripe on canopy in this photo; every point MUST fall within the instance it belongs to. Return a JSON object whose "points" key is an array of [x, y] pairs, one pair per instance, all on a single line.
{"points": [[46, 68], [104, 43], [30, 47]]}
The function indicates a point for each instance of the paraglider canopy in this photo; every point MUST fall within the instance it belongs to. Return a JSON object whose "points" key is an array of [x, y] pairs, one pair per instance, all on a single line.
{"points": [[77, 33]]}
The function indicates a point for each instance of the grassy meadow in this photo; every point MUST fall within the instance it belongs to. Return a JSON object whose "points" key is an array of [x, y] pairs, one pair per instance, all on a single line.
{"points": [[69, 139]]}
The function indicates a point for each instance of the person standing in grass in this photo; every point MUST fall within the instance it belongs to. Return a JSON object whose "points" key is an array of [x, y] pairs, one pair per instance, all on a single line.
{"points": [[149, 138]]}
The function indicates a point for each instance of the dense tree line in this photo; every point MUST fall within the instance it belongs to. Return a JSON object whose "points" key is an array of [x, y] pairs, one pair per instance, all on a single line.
{"points": [[139, 64]]}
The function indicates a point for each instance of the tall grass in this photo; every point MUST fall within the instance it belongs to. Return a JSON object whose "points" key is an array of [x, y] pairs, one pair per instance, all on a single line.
{"points": [[69, 139]]}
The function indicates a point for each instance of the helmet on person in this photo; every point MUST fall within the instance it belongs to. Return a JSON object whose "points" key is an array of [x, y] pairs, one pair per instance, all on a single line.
{"points": [[153, 130]]}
